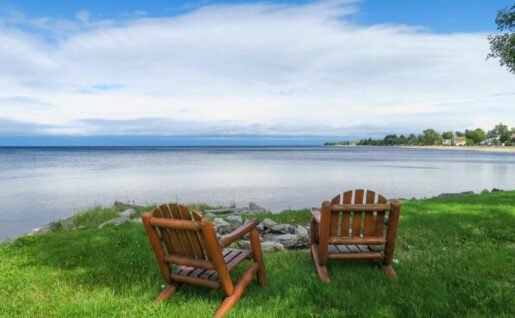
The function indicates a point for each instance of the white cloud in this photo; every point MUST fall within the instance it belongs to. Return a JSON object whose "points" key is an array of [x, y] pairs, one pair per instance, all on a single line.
{"points": [[83, 16], [252, 69]]}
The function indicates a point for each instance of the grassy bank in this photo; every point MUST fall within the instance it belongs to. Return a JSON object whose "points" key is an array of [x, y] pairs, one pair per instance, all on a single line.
{"points": [[455, 258]]}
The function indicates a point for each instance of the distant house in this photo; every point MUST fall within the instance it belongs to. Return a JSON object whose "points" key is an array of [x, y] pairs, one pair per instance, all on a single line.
{"points": [[490, 141], [459, 141], [447, 142]]}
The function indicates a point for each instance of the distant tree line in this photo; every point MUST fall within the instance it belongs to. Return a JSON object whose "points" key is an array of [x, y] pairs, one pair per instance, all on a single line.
{"points": [[500, 135]]}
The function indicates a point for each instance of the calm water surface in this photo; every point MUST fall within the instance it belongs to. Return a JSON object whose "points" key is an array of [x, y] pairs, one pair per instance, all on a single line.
{"points": [[39, 185]]}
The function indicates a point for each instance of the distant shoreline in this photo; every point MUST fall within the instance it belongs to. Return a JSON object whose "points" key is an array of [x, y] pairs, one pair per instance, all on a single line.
{"points": [[458, 148]]}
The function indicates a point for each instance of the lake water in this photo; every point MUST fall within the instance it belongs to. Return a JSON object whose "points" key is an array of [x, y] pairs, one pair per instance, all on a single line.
{"points": [[39, 185]]}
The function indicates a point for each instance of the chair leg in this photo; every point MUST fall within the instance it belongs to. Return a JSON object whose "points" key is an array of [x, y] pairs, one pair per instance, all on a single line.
{"points": [[322, 270], [167, 292], [231, 300], [388, 270], [257, 255]]}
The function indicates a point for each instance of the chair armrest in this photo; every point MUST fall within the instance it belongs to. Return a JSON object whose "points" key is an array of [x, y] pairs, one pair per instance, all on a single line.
{"points": [[316, 214], [238, 233]]}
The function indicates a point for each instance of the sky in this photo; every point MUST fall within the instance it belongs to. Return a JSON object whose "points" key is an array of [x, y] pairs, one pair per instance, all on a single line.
{"points": [[246, 72]]}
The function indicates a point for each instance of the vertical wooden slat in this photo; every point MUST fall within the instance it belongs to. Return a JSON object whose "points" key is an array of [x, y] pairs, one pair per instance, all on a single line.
{"points": [[172, 234], [183, 236], [379, 229], [193, 235], [334, 217], [324, 233], [164, 235], [391, 231], [356, 219], [347, 199], [369, 225]]}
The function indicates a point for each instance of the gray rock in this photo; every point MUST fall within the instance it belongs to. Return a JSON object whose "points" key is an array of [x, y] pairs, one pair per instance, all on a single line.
{"points": [[116, 221], [256, 208], [244, 244], [122, 205], [127, 212], [280, 228], [266, 246], [287, 240], [67, 224], [267, 223], [241, 211], [268, 236], [235, 221], [260, 227], [485, 191], [497, 190], [221, 225], [44, 229], [137, 220], [269, 246], [302, 233]]}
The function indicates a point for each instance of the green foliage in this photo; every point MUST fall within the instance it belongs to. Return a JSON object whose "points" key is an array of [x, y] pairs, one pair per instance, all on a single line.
{"points": [[477, 135], [447, 135], [502, 46], [431, 137], [94, 217], [338, 143], [501, 131], [454, 258]]}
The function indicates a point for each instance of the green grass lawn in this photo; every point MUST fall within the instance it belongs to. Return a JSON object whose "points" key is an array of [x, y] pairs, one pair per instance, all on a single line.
{"points": [[455, 258]]}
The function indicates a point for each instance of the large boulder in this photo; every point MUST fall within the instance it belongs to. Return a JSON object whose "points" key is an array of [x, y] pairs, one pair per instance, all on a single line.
{"points": [[241, 211], [280, 228], [39, 230], [266, 246], [287, 240], [221, 226], [127, 212], [235, 221], [267, 223], [116, 221], [256, 208], [137, 220], [269, 246], [302, 234]]}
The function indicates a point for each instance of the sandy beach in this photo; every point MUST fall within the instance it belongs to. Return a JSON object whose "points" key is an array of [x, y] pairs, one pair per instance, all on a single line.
{"points": [[459, 148], [470, 148]]}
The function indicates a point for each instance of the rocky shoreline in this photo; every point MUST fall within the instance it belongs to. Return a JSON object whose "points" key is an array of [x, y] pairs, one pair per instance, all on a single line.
{"points": [[274, 236]]}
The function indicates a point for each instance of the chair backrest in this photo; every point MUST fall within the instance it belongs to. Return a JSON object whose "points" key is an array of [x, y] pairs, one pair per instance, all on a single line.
{"points": [[356, 217], [183, 238], [180, 241]]}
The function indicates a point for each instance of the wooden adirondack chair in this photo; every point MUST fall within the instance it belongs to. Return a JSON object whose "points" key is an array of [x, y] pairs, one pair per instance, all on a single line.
{"points": [[189, 241], [348, 228]]}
